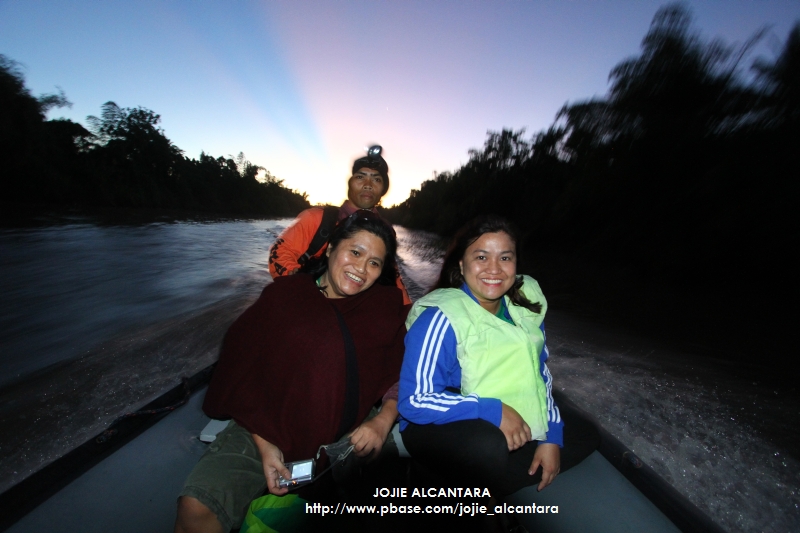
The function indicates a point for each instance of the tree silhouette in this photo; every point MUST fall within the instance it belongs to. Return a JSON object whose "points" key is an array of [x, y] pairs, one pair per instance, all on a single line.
{"points": [[781, 81], [126, 160], [30, 168], [660, 202]]}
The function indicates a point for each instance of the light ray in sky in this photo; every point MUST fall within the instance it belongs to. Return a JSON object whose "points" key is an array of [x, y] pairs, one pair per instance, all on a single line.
{"points": [[302, 87]]}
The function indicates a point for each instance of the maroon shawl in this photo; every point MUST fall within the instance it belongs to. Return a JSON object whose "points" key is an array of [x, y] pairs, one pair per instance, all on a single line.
{"points": [[281, 372]]}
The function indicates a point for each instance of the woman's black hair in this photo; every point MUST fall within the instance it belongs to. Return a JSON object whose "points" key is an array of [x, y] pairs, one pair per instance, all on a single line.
{"points": [[469, 233], [361, 220]]}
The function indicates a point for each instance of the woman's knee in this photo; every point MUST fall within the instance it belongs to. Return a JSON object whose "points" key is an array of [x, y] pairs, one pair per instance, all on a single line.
{"points": [[196, 517], [488, 445]]}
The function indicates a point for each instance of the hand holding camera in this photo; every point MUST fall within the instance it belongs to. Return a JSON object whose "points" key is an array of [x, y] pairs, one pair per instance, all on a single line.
{"points": [[272, 461], [301, 473]]}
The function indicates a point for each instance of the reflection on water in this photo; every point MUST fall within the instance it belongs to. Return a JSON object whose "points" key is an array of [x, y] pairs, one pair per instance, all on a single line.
{"points": [[66, 288]]}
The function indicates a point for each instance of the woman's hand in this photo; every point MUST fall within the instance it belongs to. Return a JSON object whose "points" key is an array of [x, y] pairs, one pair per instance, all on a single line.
{"points": [[548, 456], [514, 428], [370, 436], [272, 460]]}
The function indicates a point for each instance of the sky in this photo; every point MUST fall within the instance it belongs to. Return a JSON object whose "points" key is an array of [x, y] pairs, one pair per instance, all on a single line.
{"points": [[303, 87]]}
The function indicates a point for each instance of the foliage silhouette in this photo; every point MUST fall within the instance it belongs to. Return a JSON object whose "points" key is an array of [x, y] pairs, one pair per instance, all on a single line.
{"points": [[123, 160], [30, 148], [670, 201]]}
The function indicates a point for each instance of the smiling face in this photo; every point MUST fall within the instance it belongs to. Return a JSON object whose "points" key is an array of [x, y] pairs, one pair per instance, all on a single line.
{"points": [[489, 267], [354, 265], [365, 188]]}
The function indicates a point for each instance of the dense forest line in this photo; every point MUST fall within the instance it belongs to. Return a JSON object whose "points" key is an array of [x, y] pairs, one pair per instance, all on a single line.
{"points": [[124, 160], [670, 203]]}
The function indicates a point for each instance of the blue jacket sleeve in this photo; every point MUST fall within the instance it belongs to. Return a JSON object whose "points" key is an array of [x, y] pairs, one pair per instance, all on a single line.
{"points": [[430, 366], [555, 426]]}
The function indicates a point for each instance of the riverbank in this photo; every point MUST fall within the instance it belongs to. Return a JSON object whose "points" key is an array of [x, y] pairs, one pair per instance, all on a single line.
{"points": [[745, 328]]}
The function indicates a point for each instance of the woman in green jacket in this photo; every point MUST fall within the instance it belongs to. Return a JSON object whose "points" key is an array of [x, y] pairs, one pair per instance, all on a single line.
{"points": [[475, 392]]}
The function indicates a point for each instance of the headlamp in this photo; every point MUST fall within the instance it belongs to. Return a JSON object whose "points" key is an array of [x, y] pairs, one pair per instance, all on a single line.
{"points": [[374, 152]]}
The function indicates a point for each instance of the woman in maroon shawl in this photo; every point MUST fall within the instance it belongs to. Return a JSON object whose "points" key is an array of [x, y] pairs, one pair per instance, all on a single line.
{"points": [[282, 372]]}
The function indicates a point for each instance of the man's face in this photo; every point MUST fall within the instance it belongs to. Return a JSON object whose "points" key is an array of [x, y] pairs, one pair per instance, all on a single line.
{"points": [[365, 188]]}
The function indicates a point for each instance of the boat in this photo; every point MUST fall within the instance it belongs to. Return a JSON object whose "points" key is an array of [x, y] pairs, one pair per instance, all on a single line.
{"points": [[126, 479]]}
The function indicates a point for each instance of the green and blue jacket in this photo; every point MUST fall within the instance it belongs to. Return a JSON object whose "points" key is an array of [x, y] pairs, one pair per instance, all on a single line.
{"points": [[462, 362]]}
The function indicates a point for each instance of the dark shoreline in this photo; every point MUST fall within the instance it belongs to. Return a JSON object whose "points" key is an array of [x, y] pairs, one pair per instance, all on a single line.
{"points": [[743, 324], [755, 347]]}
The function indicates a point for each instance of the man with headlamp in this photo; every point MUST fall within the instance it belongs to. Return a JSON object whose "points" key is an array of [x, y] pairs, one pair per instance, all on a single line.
{"points": [[308, 236]]}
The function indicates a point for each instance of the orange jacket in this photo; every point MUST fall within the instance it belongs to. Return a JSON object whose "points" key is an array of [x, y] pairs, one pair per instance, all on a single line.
{"points": [[295, 240]]}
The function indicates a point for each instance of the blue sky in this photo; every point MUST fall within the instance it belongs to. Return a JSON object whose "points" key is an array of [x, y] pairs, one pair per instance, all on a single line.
{"points": [[302, 87]]}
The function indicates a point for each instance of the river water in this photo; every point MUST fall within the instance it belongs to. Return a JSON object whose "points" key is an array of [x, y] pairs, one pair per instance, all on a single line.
{"points": [[97, 320]]}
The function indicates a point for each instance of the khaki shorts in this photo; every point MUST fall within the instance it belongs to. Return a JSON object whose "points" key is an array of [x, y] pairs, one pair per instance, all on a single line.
{"points": [[228, 476]]}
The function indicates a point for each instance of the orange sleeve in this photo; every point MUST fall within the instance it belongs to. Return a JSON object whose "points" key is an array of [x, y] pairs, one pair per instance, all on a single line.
{"points": [[402, 287], [293, 242]]}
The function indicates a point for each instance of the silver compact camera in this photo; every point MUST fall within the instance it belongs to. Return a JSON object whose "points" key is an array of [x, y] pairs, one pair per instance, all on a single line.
{"points": [[302, 473]]}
